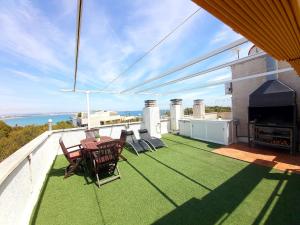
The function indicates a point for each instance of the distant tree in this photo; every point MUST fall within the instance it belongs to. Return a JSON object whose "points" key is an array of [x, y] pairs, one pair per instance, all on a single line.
{"points": [[79, 114], [210, 109], [4, 129], [13, 138], [17, 138], [188, 111], [63, 125], [167, 113]]}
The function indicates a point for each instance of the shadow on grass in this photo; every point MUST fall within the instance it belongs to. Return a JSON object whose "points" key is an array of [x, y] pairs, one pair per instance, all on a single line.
{"points": [[178, 172], [209, 144], [217, 206], [152, 184], [131, 150], [60, 172], [287, 197]]}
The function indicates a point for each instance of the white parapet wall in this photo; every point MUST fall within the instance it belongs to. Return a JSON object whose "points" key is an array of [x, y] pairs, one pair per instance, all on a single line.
{"points": [[22, 176], [23, 173]]}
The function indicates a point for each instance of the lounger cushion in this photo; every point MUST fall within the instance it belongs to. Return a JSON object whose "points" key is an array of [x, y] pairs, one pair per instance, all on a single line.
{"points": [[75, 154]]}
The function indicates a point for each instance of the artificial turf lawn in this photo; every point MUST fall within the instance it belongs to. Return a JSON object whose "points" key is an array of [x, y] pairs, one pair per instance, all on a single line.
{"points": [[185, 183]]}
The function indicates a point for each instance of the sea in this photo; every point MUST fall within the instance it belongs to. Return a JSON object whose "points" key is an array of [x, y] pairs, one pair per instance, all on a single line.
{"points": [[43, 119]]}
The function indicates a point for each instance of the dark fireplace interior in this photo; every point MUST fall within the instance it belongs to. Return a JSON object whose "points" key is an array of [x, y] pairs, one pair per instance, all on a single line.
{"points": [[282, 115], [273, 116]]}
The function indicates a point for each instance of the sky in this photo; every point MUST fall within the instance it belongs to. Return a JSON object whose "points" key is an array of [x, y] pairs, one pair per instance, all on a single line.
{"points": [[37, 51]]}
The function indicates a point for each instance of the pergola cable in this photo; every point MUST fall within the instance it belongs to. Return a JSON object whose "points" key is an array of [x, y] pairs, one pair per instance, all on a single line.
{"points": [[189, 63], [203, 72], [90, 91], [78, 27], [151, 49], [190, 76], [252, 76]]}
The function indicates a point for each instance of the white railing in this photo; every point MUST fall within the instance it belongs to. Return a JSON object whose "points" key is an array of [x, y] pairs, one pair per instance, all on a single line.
{"points": [[23, 173]]}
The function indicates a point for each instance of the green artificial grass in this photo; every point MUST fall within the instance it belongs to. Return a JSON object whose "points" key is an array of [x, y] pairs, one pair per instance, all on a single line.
{"points": [[185, 183]]}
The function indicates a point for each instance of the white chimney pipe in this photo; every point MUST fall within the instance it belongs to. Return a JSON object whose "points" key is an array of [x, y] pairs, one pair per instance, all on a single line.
{"points": [[176, 113], [199, 109], [151, 118]]}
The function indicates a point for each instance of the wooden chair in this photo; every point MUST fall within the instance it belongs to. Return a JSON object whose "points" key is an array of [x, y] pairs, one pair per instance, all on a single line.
{"points": [[105, 161], [122, 143], [92, 133], [74, 158]]}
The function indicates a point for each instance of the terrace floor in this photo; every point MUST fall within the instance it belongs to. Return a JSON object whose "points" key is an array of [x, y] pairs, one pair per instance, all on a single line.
{"points": [[186, 183]]}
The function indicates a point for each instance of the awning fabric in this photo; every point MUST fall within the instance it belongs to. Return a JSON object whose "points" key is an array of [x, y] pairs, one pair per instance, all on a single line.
{"points": [[272, 25]]}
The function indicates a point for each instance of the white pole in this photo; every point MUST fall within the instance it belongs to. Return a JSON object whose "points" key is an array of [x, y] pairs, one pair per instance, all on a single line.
{"points": [[88, 107]]}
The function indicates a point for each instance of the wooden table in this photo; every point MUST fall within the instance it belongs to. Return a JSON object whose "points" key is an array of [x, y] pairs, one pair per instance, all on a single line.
{"points": [[90, 144]]}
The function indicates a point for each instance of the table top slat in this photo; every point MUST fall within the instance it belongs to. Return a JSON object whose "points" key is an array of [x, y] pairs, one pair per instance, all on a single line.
{"points": [[90, 144]]}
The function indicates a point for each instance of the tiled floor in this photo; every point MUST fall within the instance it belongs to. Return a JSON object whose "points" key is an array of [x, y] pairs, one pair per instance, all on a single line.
{"points": [[274, 158]]}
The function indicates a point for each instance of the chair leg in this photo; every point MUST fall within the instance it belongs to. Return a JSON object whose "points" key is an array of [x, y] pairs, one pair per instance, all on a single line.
{"points": [[70, 170], [67, 172], [96, 173], [119, 174], [98, 181]]}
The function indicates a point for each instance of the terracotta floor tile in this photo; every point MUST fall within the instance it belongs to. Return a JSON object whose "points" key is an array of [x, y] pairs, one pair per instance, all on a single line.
{"points": [[275, 158]]}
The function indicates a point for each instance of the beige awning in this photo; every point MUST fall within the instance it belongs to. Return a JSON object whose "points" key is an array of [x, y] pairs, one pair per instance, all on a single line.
{"points": [[272, 25]]}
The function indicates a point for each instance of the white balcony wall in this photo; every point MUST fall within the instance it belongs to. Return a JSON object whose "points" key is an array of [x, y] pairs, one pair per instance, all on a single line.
{"points": [[22, 176], [23, 173], [216, 131], [164, 126], [185, 127]]}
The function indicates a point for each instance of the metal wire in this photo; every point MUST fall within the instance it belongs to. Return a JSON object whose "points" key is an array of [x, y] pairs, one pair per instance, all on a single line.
{"points": [[252, 76], [189, 63], [151, 49], [203, 72], [78, 27]]}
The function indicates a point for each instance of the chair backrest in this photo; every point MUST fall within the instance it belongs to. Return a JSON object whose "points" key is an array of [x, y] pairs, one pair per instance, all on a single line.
{"points": [[92, 133], [130, 137], [144, 134], [64, 149], [108, 152], [123, 137]]}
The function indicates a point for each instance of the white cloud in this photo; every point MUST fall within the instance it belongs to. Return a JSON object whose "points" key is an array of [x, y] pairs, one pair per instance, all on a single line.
{"points": [[144, 26], [220, 78], [25, 75], [27, 35], [225, 34]]}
